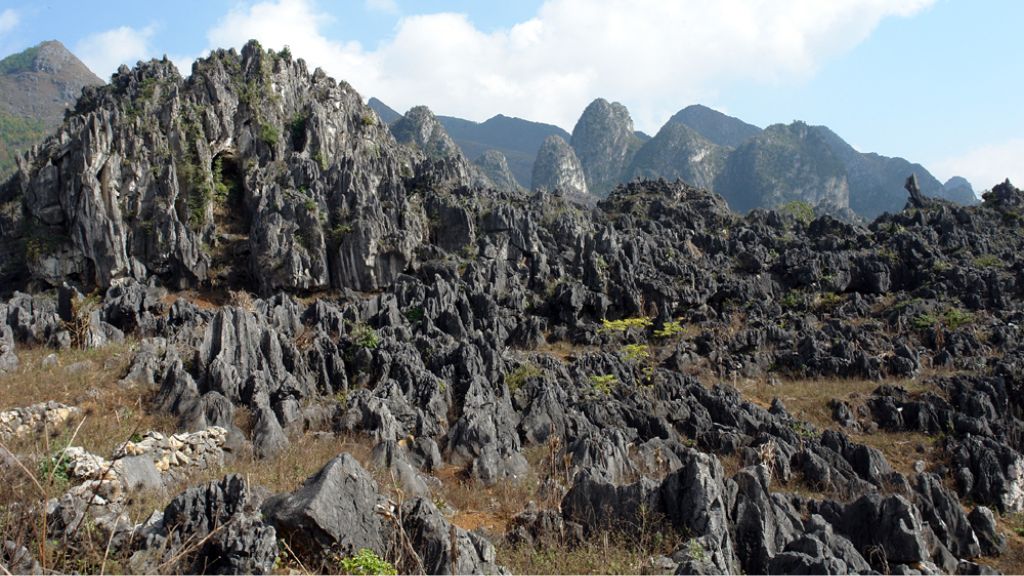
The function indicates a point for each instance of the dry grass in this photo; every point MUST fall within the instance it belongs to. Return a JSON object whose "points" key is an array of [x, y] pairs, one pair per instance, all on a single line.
{"points": [[612, 552], [808, 399], [563, 350], [110, 414], [902, 449], [1012, 559], [305, 456], [479, 506], [89, 380]]}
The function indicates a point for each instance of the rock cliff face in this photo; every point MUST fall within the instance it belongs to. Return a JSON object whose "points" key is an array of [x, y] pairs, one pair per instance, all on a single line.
{"points": [[557, 168], [605, 143], [783, 164], [36, 87]]}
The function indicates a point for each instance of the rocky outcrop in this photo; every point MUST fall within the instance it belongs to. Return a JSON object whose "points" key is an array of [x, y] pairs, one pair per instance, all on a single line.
{"points": [[335, 510], [252, 168], [605, 143], [420, 128], [211, 529], [8, 359], [557, 168]]}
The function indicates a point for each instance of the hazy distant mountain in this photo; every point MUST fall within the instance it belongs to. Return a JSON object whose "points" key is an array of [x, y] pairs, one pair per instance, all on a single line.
{"points": [[750, 167], [518, 139], [420, 128], [717, 127], [605, 143], [36, 86], [494, 167], [678, 151], [558, 168], [782, 164], [386, 113], [958, 189]]}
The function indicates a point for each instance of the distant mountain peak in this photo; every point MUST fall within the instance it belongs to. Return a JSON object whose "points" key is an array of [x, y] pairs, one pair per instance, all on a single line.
{"points": [[387, 114], [715, 126], [36, 86], [605, 143]]}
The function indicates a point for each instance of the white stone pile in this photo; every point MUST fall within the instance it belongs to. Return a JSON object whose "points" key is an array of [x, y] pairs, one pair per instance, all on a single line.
{"points": [[167, 456], [201, 449], [34, 418]]}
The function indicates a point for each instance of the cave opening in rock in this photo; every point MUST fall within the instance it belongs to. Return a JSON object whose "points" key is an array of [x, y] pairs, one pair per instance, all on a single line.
{"points": [[230, 255]]}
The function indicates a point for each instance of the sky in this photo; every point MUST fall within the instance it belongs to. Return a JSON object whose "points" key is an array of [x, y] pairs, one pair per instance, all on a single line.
{"points": [[933, 81]]}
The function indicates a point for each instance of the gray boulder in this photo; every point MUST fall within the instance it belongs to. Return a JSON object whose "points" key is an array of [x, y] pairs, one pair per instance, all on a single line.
{"points": [[336, 510]]}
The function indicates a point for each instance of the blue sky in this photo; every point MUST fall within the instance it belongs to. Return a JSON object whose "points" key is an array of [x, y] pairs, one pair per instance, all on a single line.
{"points": [[935, 81]]}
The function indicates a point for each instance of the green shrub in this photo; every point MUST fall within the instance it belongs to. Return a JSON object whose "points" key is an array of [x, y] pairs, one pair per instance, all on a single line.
{"points": [[791, 300], [320, 159], [515, 379], [952, 318], [988, 261], [337, 233], [269, 134], [955, 318], [414, 314], [670, 329], [223, 190], [925, 321], [365, 336], [636, 352], [798, 209], [642, 322], [365, 562], [829, 301], [56, 465], [604, 383]]}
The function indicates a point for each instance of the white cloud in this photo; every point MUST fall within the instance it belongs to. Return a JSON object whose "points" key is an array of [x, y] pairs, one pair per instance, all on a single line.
{"points": [[986, 166], [385, 6], [105, 51], [8, 20], [655, 56]]}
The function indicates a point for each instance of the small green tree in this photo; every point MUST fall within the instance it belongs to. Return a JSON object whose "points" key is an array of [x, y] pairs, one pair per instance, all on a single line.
{"points": [[798, 209]]}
